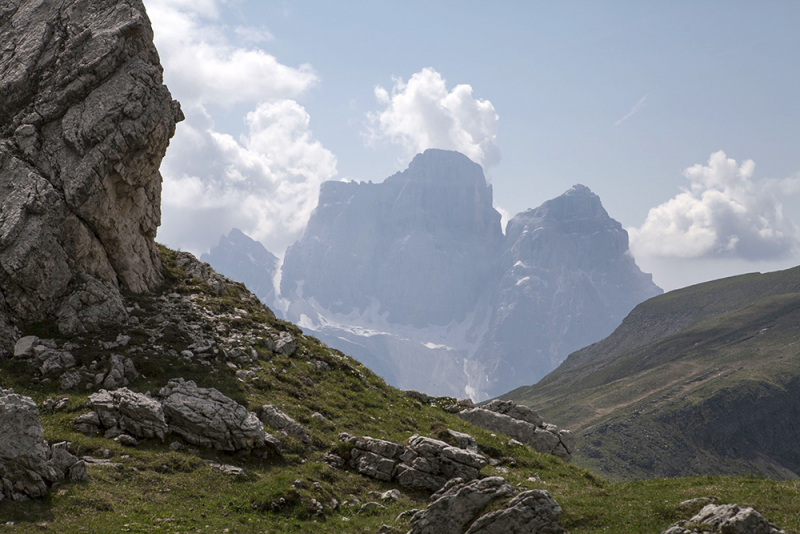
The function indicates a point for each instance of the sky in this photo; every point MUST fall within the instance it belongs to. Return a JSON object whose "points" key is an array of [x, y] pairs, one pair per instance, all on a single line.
{"points": [[682, 116]]}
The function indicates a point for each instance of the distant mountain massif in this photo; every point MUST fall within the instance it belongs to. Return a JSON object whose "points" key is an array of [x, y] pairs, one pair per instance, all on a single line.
{"points": [[704, 380], [415, 277]]}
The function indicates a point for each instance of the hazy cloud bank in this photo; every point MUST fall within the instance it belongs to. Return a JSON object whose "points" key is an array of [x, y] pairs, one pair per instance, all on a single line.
{"points": [[266, 181], [723, 214], [422, 113]]}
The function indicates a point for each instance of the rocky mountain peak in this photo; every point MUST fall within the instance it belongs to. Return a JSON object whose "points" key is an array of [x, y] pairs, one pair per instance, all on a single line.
{"points": [[417, 246], [85, 122]]}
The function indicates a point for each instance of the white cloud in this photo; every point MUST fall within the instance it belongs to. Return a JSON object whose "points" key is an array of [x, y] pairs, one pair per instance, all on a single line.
{"points": [[635, 109], [266, 181], [422, 114], [724, 213], [202, 65]]}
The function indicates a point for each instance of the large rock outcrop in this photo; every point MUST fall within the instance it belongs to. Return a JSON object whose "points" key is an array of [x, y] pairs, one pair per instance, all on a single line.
{"points": [[457, 508], [28, 464], [201, 416], [725, 519], [524, 425], [423, 464], [84, 123]]}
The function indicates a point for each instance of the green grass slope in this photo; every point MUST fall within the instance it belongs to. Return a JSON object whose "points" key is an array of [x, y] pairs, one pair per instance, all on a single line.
{"points": [[703, 380], [151, 488]]}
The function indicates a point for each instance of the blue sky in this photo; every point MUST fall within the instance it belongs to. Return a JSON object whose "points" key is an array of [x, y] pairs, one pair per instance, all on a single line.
{"points": [[623, 97]]}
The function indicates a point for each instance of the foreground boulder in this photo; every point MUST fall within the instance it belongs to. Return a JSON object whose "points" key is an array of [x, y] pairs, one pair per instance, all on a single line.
{"points": [[725, 519], [201, 416], [84, 123], [206, 417], [424, 463], [28, 464], [457, 508], [522, 424]]}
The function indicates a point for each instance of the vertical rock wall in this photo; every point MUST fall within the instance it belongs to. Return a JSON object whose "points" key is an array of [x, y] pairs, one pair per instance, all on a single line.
{"points": [[84, 123]]}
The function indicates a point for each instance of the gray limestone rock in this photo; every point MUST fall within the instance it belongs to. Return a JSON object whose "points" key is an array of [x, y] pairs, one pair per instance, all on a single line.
{"points": [[201, 270], [282, 343], [28, 465], [458, 504], [425, 463], [133, 413], [278, 420], [208, 418], [541, 438], [84, 123], [512, 409], [530, 512], [725, 519]]}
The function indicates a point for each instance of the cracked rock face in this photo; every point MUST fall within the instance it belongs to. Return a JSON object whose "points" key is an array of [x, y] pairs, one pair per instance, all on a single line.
{"points": [[523, 424], [725, 519], [28, 465], [84, 123], [424, 464]]}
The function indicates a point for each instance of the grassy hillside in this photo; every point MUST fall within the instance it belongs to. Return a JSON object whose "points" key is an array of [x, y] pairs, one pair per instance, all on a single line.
{"points": [[697, 381], [151, 488]]}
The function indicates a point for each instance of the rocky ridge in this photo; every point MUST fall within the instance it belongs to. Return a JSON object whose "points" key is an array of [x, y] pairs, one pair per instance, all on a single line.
{"points": [[85, 122]]}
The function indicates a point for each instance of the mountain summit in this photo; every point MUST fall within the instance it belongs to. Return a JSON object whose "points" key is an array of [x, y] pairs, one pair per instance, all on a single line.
{"points": [[417, 247], [414, 277]]}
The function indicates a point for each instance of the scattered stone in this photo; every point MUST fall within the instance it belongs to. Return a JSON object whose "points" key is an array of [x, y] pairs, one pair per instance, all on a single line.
{"points": [[282, 343], [177, 446], [333, 460], [276, 419], [228, 469], [315, 507], [126, 440], [70, 380], [55, 405], [320, 365], [725, 519], [390, 495], [316, 416], [24, 346]]}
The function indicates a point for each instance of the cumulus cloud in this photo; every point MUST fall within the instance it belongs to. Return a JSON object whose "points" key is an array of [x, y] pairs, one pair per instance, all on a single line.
{"points": [[422, 113], [266, 180], [724, 213], [203, 65], [266, 183]]}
